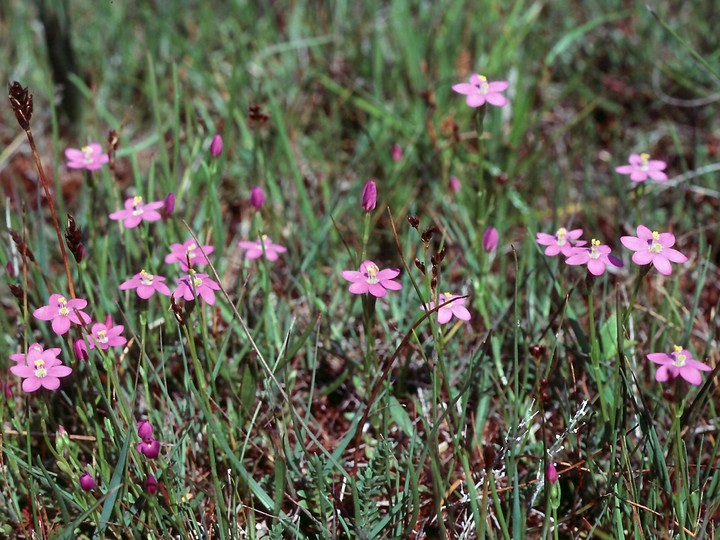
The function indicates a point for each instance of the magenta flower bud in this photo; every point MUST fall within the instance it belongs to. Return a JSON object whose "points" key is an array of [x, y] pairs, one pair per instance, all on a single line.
{"points": [[257, 197], [551, 473], [490, 239], [10, 269], [87, 482], [151, 485], [216, 146], [454, 184], [397, 152], [80, 349], [369, 196], [144, 429], [169, 204]]}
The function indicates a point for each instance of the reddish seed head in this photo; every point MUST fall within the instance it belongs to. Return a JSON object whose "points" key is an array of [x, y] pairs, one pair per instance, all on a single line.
{"points": [[369, 196]]}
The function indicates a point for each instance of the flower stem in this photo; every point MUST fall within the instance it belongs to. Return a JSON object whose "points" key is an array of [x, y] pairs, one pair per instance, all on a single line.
{"points": [[51, 205], [595, 352]]}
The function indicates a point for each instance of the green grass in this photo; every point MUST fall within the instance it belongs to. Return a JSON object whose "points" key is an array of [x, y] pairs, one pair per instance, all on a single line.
{"points": [[293, 409]]}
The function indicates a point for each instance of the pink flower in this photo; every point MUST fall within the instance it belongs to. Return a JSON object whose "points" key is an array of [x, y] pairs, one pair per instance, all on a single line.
{"points": [[105, 335], [561, 242], [189, 252], [653, 247], [136, 211], [149, 447], [40, 368], [369, 196], [455, 307], [90, 157], [397, 152], [257, 197], [62, 312], [641, 167], [679, 362], [146, 285], [255, 249], [373, 280], [455, 184], [216, 146], [35, 352], [596, 257], [490, 239], [194, 284], [479, 90]]}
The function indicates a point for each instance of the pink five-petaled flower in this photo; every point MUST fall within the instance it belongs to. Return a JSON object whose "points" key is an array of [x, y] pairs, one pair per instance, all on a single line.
{"points": [[370, 279], [136, 211], [562, 242], [105, 335], [39, 368], [679, 362], [194, 284], [149, 447], [596, 257], [90, 157], [146, 285], [62, 312], [255, 249], [455, 307], [641, 167], [653, 247], [189, 252], [479, 90]]}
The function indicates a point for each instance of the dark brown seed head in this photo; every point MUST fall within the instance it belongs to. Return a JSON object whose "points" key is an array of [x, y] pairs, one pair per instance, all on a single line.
{"points": [[420, 265], [21, 102], [413, 221]]}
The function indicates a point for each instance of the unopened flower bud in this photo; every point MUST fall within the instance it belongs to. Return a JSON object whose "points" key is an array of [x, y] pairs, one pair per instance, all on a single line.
{"points": [[87, 482], [80, 349], [490, 239], [397, 152], [551, 473], [454, 184], [144, 429], [169, 204], [257, 197], [216, 146], [151, 485], [369, 196]]}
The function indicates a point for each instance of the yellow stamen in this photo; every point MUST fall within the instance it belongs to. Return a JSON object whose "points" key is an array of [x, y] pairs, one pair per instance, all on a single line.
{"points": [[372, 270]]}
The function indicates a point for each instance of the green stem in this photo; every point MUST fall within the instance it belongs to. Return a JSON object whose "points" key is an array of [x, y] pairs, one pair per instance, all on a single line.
{"points": [[595, 352]]}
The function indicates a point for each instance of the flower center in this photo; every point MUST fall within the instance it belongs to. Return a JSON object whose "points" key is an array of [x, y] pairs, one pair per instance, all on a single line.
{"points": [[137, 206], [87, 154], [40, 370], [655, 246], [679, 358], [62, 305], [561, 236], [483, 86], [197, 282], [644, 158], [102, 336], [146, 278], [594, 253], [372, 270]]}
